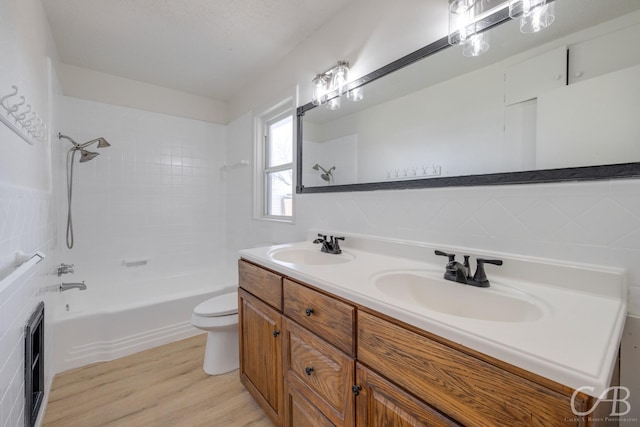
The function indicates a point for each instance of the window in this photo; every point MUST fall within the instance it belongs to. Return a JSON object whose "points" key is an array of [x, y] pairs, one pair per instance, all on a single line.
{"points": [[276, 152]]}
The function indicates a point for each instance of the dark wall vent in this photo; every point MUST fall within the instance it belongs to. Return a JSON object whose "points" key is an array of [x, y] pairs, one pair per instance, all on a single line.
{"points": [[34, 366]]}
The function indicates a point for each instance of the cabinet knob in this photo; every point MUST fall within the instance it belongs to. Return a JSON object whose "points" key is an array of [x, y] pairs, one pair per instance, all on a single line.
{"points": [[308, 311], [578, 74], [276, 333], [355, 389], [308, 370]]}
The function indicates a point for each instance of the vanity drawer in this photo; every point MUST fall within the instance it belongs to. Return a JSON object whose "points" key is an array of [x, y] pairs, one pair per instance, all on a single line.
{"points": [[321, 372], [471, 390], [327, 317], [261, 283]]}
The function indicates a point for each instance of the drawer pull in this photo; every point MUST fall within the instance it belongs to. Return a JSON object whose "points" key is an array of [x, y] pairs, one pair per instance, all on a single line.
{"points": [[355, 389], [308, 311], [308, 370], [276, 333]]}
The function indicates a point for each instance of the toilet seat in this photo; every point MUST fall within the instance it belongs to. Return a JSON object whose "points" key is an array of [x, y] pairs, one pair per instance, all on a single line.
{"points": [[222, 305]]}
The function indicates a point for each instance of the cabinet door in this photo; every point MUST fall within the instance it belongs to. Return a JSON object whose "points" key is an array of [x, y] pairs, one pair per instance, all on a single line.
{"points": [[261, 354], [601, 55], [300, 412], [379, 403]]}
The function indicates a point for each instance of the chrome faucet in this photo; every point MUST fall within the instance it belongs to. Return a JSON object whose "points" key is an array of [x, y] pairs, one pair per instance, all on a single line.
{"points": [[461, 273], [67, 286], [64, 269], [331, 246]]}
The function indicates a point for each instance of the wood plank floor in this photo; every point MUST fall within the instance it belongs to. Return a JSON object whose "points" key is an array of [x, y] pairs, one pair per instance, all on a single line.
{"points": [[164, 386]]}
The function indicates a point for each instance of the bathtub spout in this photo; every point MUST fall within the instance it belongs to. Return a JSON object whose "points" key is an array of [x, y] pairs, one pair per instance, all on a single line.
{"points": [[67, 286]]}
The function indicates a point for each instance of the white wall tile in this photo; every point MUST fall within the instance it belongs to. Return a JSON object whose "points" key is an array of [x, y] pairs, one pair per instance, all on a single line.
{"points": [[156, 192], [31, 226]]}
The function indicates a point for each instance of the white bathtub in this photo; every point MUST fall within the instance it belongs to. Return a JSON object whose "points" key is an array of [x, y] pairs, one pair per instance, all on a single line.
{"points": [[106, 322]]}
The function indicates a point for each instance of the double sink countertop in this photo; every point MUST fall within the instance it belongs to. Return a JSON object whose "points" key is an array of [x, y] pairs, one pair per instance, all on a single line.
{"points": [[560, 321]]}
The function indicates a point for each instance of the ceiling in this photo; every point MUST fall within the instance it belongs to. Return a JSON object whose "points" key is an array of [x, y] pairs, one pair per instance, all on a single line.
{"points": [[210, 48]]}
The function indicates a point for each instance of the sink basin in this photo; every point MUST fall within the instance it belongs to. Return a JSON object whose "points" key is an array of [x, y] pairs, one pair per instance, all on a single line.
{"points": [[427, 289], [309, 257]]}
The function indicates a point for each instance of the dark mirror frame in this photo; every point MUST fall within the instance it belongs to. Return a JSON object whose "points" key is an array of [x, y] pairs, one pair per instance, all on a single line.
{"points": [[585, 173]]}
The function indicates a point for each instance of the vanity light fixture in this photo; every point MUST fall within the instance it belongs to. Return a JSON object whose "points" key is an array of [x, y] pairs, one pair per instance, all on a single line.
{"points": [[334, 79], [535, 15], [467, 26]]}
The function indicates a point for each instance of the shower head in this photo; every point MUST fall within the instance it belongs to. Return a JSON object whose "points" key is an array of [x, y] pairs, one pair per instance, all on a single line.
{"points": [[85, 155], [102, 143]]}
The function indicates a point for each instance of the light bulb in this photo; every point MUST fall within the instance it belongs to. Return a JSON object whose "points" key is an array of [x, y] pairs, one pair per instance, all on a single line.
{"points": [[334, 103], [319, 84], [460, 6], [356, 94], [476, 45], [340, 76], [535, 15]]}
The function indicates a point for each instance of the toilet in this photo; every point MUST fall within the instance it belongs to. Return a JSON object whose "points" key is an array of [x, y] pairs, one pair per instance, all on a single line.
{"points": [[219, 317]]}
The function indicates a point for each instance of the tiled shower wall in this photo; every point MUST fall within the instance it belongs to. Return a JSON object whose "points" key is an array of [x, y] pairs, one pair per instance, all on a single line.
{"points": [[156, 194], [26, 224]]}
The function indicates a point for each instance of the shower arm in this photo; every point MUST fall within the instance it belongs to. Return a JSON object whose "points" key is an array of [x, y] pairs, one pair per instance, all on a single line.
{"points": [[75, 144], [86, 144]]}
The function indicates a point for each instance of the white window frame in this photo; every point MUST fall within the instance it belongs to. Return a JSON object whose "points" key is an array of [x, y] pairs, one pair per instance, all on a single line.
{"points": [[261, 125]]}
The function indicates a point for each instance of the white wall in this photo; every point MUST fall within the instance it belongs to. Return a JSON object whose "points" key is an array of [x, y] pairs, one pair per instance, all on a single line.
{"points": [[26, 201], [87, 84], [156, 193], [367, 33], [25, 46], [591, 222]]}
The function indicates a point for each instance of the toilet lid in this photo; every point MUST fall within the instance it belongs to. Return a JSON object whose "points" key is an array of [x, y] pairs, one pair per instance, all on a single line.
{"points": [[221, 305]]}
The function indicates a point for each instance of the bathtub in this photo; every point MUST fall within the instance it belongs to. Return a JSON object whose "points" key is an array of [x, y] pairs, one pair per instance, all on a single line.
{"points": [[106, 322]]}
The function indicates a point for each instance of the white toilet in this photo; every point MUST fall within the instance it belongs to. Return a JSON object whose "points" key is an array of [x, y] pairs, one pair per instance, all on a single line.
{"points": [[219, 317]]}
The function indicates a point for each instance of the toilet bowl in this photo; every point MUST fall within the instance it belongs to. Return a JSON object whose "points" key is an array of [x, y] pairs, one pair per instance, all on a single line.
{"points": [[218, 316]]}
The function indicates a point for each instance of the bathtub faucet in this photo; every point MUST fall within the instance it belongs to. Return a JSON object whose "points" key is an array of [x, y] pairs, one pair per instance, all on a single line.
{"points": [[67, 286]]}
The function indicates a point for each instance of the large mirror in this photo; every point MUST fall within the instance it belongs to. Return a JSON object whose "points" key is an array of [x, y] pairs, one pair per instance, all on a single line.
{"points": [[561, 104]]}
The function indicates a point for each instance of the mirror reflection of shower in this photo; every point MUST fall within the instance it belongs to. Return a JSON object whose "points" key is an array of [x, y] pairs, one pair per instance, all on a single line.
{"points": [[85, 156], [326, 174]]}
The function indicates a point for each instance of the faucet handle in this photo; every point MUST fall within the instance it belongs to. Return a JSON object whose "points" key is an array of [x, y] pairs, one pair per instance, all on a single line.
{"points": [[489, 261], [452, 257], [64, 269], [321, 238], [480, 276]]}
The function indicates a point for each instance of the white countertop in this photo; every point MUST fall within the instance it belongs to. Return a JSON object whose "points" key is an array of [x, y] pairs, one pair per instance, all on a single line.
{"points": [[574, 343]]}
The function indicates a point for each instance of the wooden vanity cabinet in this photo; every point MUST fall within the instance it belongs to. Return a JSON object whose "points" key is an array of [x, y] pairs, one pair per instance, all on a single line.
{"points": [[260, 338], [312, 359]]}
